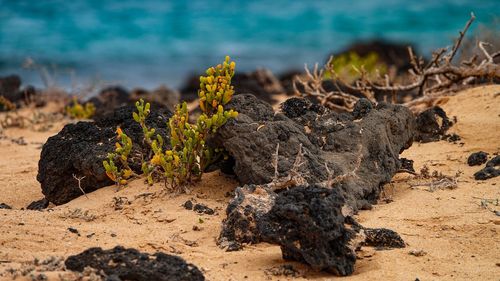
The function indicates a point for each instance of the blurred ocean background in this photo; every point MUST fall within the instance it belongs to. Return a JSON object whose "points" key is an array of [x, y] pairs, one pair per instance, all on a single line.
{"points": [[147, 43]]}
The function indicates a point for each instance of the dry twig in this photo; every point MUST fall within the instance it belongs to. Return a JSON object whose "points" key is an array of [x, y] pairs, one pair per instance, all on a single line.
{"points": [[79, 180], [294, 177], [439, 76], [331, 181]]}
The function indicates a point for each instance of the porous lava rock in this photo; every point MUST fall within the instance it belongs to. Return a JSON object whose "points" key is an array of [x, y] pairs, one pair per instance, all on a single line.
{"points": [[262, 83], [38, 204], [9, 85], [79, 149], [342, 159], [111, 98], [5, 206], [308, 222], [161, 96], [477, 158], [432, 125], [366, 147], [122, 263], [362, 108], [491, 169], [10, 88], [203, 209], [248, 207], [407, 164], [382, 238]]}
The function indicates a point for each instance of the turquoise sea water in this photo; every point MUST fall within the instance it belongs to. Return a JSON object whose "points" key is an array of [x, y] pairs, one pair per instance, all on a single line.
{"points": [[147, 43]]}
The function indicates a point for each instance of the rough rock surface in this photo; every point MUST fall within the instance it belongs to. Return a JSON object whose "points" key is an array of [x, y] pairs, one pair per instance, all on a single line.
{"points": [[262, 83], [161, 96], [5, 206], [491, 169], [199, 208], [383, 238], [10, 88], [79, 149], [203, 209], [367, 148], [362, 108], [432, 125], [477, 158], [109, 99], [344, 159], [129, 264], [112, 98], [38, 205], [407, 164], [306, 221], [308, 224], [250, 204]]}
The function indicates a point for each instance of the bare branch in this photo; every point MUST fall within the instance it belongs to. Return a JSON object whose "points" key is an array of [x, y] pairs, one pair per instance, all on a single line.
{"points": [[436, 78], [486, 54], [294, 177], [460, 38], [79, 180], [340, 178]]}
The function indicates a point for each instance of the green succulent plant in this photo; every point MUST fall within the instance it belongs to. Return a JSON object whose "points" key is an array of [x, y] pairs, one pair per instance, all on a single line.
{"points": [[347, 66], [6, 104], [80, 111], [188, 154], [121, 174]]}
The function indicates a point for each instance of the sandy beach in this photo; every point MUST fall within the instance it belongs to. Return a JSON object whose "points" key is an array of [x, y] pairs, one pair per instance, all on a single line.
{"points": [[451, 234]]}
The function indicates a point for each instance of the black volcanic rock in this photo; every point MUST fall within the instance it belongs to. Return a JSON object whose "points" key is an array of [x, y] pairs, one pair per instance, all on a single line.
{"points": [[308, 223], [111, 98], [383, 238], [432, 125], [346, 158], [262, 83], [38, 205], [129, 264], [491, 169], [5, 206], [327, 138], [10, 88], [477, 158], [79, 149]]}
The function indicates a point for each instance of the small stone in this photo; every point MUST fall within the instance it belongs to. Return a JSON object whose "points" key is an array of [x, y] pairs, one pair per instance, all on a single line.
{"points": [[477, 158], [73, 230], [38, 205], [5, 206], [361, 108], [417, 252], [203, 209], [188, 205], [130, 264]]}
